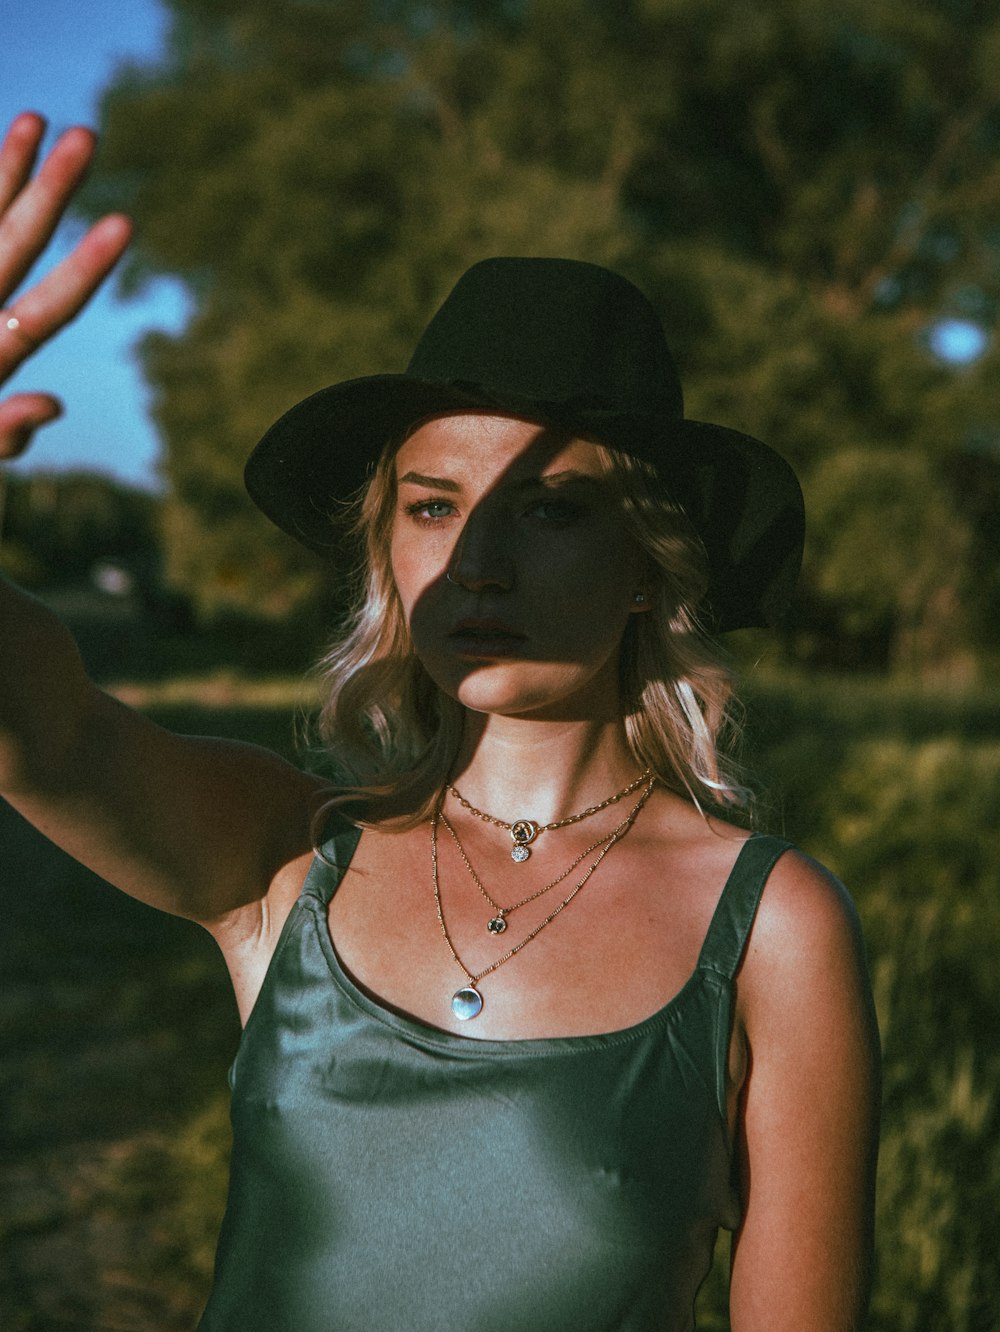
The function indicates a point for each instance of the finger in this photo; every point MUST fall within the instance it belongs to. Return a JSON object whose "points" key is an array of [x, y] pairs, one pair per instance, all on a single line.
{"points": [[21, 416], [18, 154], [27, 225], [61, 294]]}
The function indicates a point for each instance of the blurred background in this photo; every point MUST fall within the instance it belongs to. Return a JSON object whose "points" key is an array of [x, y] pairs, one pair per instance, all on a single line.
{"points": [[811, 197]]}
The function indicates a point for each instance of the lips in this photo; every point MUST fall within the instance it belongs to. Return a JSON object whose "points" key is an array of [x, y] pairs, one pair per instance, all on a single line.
{"points": [[488, 637]]}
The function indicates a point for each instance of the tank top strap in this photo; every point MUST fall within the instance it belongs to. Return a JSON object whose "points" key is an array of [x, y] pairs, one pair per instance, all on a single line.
{"points": [[737, 907], [331, 858]]}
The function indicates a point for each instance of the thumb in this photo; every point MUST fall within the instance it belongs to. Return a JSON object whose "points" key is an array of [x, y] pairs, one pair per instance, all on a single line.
{"points": [[21, 416]]}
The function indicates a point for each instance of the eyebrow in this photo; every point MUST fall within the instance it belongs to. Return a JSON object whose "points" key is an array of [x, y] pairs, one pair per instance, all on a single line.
{"points": [[431, 482], [545, 479], [563, 478]]}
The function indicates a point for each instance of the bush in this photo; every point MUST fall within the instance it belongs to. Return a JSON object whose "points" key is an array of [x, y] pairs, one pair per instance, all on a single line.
{"points": [[898, 792], [913, 827]]}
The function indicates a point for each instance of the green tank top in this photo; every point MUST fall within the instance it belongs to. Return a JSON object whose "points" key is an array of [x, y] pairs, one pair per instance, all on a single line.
{"points": [[389, 1177]]}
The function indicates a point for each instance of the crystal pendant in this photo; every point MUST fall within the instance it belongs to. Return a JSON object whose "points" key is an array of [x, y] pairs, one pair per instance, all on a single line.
{"points": [[519, 853], [466, 1003], [497, 925]]}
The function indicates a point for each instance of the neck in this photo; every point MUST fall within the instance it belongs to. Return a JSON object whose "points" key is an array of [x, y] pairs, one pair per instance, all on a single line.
{"points": [[516, 768]]}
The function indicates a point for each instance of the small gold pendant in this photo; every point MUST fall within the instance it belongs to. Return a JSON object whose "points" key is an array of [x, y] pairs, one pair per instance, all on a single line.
{"points": [[497, 925], [522, 832]]}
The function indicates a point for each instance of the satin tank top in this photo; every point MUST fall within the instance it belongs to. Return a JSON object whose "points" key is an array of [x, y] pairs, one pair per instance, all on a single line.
{"points": [[389, 1177]]}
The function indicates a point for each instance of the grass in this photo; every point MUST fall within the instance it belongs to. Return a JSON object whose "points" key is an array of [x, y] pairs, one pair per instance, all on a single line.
{"points": [[222, 690]]}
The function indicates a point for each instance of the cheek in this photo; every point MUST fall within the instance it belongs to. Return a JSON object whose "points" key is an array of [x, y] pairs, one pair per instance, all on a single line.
{"points": [[599, 586], [593, 637], [414, 572], [402, 578], [423, 595]]}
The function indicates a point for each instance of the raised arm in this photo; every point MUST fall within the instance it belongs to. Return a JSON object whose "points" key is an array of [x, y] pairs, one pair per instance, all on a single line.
{"points": [[201, 828]]}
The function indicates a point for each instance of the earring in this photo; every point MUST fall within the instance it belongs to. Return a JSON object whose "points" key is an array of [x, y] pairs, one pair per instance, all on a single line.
{"points": [[639, 599]]}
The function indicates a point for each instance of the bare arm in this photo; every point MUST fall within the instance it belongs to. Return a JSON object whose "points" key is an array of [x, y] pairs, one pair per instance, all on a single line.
{"points": [[809, 1115], [196, 827], [200, 828]]}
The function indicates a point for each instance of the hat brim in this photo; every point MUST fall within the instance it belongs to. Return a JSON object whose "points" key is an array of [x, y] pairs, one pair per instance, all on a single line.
{"points": [[740, 496]]}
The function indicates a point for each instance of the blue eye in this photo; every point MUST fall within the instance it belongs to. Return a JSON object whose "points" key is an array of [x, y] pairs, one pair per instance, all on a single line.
{"points": [[430, 510]]}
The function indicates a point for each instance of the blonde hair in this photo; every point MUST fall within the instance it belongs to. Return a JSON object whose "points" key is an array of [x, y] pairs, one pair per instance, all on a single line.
{"points": [[393, 736]]}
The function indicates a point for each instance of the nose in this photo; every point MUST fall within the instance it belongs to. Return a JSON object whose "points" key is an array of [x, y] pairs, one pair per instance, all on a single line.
{"points": [[482, 557]]}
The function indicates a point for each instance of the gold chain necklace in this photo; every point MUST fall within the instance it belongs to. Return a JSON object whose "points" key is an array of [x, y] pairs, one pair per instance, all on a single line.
{"points": [[524, 831], [498, 923], [467, 1002]]}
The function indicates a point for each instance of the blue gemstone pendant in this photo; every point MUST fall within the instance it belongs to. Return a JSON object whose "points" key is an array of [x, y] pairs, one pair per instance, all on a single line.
{"points": [[467, 1003]]}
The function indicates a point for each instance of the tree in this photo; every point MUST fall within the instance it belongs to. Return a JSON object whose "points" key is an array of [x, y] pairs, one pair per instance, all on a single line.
{"points": [[803, 191], [55, 528]]}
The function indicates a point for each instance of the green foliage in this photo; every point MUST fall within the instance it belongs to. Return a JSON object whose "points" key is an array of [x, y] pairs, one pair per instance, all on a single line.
{"points": [[890, 549], [801, 189], [914, 824], [178, 1184], [54, 528]]}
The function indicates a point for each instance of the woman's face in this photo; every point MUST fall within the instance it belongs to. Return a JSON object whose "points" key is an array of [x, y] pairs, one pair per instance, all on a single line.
{"points": [[514, 564]]}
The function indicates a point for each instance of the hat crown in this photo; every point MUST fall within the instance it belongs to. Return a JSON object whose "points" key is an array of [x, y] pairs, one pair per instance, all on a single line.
{"points": [[558, 331]]}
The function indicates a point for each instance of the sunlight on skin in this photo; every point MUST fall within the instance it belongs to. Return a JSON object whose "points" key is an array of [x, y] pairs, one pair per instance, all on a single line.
{"points": [[30, 208]]}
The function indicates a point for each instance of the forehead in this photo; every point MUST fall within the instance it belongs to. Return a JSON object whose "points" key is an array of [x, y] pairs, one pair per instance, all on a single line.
{"points": [[490, 446]]}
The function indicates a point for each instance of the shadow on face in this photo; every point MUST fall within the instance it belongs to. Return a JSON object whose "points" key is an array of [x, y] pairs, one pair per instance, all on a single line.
{"points": [[514, 564]]}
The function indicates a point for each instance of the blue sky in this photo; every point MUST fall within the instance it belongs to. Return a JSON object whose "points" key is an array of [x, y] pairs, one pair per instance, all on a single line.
{"points": [[55, 57]]}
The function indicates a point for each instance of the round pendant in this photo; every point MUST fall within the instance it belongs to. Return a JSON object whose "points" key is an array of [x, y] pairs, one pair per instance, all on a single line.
{"points": [[519, 853], [497, 925], [467, 1003], [523, 831]]}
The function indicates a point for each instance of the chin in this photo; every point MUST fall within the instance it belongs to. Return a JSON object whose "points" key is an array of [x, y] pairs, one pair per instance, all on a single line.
{"points": [[535, 691]]}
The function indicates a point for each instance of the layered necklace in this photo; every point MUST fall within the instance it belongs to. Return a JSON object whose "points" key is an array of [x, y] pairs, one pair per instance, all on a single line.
{"points": [[524, 831], [467, 1002], [497, 923]]}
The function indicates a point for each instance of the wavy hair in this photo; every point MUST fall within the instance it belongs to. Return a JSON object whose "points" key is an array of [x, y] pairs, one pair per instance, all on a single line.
{"points": [[392, 736]]}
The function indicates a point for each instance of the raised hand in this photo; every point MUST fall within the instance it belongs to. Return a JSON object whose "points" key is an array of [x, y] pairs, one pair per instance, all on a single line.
{"points": [[30, 209]]}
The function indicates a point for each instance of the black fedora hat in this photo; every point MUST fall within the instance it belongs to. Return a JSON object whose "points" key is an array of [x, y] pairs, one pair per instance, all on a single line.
{"points": [[566, 344]]}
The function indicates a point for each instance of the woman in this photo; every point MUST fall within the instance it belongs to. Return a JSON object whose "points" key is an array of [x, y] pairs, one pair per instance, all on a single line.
{"points": [[536, 1018]]}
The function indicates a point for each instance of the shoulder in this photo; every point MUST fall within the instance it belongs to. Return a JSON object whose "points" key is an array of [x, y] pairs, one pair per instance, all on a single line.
{"points": [[805, 958], [805, 910], [804, 899]]}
